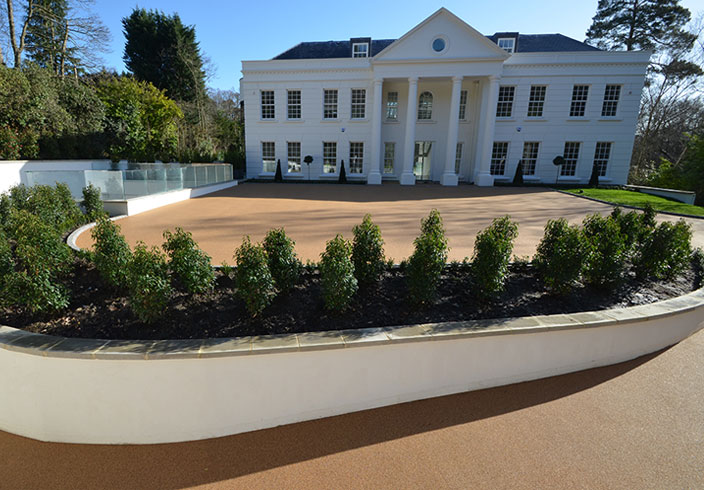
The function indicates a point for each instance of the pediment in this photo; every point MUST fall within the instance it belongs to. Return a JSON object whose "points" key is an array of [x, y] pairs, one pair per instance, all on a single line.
{"points": [[460, 40]]}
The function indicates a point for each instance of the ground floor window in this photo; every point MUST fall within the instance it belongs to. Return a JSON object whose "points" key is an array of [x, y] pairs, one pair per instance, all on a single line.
{"points": [[571, 155], [530, 157], [356, 157], [458, 157], [601, 156], [329, 157], [499, 153], [421, 159], [389, 155], [268, 156], [294, 157]]}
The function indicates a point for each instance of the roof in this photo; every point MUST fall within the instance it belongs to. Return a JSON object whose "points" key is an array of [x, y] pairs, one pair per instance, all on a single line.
{"points": [[527, 43]]}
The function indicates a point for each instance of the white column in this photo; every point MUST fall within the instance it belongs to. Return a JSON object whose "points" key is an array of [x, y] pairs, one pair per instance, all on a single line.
{"points": [[490, 98], [407, 177], [449, 177], [374, 175]]}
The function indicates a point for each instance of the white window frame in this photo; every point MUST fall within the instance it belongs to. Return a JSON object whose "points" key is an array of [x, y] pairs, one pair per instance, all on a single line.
{"points": [[464, 95], [508, 44], [580, 97], [356, 105], [329, 157], [569, 168], [356, 161], [504, 106], [268, 108], [536, 100], [293, 107], [357, 52], [330, 105], [389, 157], [293, 160], [602, 156], [392, 106], [499, 157], [425, 109], [529, 157], [268, 161], [612, 96]]}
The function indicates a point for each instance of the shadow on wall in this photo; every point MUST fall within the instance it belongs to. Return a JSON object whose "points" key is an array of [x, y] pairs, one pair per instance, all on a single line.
{"points": [[181, 465]]}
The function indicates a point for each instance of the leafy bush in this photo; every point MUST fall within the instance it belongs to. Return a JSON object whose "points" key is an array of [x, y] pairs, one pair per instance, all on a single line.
{"points": [[255, 285], [148, 282], [560, 256], [631, 225], [92, 202], [648, 217], [111, 253], [607, 251], [189, 263], [368, 252], [38, 292], [337, 274], [7, 263], [666, 251], [54, 206], [424, 267], [284, 265], [492, 254]]}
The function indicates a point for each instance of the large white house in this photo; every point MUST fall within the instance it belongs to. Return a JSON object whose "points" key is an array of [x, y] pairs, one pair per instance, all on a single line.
{"points": [[443, 103]]}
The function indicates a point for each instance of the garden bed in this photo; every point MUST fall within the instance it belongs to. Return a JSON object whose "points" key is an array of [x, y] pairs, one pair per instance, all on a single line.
{"points": [[97, 311]]}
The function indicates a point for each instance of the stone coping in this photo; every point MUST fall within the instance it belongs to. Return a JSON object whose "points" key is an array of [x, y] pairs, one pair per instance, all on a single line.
{"points": [[77, 348]]}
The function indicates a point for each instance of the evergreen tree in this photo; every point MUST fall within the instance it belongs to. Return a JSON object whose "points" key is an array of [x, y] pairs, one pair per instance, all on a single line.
{"points": [[163, 51], [640, 24], [46, 32]]}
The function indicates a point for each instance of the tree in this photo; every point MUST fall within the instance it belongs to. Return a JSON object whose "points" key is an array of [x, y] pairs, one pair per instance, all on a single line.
{"points": [[17, 40], [164, 52], [46, 33], [640, 24]]}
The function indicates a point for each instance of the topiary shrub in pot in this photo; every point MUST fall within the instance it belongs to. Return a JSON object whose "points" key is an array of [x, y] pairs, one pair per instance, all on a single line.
{"points": [[284, 265], [342, 178], [189, 264], [337, 274], [368, 252], [148, 283], [255, 285], [425, 266], [665, 252], [560, 255], [278, 176], [492, 254], [111, 253], [607, 251]]}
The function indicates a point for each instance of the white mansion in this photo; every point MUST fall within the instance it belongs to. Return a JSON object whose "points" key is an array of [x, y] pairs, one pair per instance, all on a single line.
{"points": [[443, 103]]}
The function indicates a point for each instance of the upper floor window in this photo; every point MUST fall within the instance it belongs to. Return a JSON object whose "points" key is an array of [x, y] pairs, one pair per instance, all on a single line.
{"points": [[463, 105], [571, 156], [294, 104], [602, 153], [330, 104], [505, 106], [425, 106], [611, 95], [499, 154], [359, 102], [508, 44], [268, 108], [360, 50], [580, 93], [536, 101], [392, 105]]}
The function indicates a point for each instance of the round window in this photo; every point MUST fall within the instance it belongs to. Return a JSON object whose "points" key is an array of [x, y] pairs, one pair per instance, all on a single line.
{"points": [[439, 45]]}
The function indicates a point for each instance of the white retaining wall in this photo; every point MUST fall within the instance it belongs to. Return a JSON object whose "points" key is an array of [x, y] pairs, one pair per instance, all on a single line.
{"points": [[12, 172]]}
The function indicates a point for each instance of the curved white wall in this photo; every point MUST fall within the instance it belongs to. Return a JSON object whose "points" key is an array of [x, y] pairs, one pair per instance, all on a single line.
{"points": [[114, 392]]}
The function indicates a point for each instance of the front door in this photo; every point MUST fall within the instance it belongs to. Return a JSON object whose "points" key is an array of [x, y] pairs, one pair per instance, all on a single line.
{"points": [[421, 160]]}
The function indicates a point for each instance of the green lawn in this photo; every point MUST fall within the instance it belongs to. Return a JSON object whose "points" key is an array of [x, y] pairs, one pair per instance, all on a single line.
{"points": [[639, 200]]}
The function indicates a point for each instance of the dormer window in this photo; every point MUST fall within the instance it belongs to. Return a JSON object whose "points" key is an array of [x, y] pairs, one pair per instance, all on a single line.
{"points": [[508, 44], [360, 50]]}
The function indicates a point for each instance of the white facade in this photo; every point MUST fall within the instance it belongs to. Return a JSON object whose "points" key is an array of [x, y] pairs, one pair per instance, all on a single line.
{"points": [[464, 74]]}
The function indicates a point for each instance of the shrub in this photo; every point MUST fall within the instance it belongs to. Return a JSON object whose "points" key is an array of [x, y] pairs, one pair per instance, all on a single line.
{"points": [[92, 202], [7, 263], [560, 255], [52, 205], [648, 217], [5, 209], [283, 262], [424, 267], [254, 282], [189, 263], [148, 282], [666, 251], [337, 274], [606, 253], [111, 253], [631, 225], [368, 252], [492, 254], [38, 292]]}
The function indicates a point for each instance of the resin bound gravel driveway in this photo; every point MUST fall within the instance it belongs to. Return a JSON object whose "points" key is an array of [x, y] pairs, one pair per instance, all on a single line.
{"points": [[315, 213]]}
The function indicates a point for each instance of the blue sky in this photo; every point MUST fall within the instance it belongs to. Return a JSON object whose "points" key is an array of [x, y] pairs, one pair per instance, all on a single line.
{"points": [[230, 32]]}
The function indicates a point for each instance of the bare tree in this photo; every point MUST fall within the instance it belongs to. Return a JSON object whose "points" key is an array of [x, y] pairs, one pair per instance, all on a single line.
{"points": [[18, 43]]}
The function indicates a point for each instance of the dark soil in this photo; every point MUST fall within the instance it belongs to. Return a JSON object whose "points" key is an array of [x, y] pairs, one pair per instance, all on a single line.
{"points": [[97, 311]]}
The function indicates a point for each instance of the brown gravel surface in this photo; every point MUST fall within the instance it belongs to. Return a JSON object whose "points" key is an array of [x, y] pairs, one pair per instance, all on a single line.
{"points": [[634, 425], [315, 213]]}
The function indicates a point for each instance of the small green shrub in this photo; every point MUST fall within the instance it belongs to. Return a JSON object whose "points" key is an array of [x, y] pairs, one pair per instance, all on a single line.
{"points": [[368, 252], [606, 252], [492, 254], [560, 255], [631, 225], [5, 210], [254, 282], [7, 263], [111, 253], [54, 206], [648, 217], [36, 291], [92, 202], [189, 264], [337, 274], [424, 267], [284, 265], [666, 251], [148, 282]]}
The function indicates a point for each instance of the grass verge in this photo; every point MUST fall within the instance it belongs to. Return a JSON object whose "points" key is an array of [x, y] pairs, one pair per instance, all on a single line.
{"points": [[639, 200]]}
